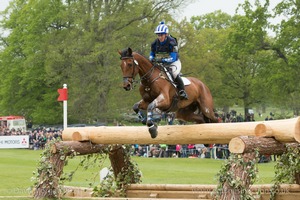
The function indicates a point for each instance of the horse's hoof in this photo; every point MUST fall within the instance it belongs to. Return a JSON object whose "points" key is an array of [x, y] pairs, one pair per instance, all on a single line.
{"points": [[153, 131]]}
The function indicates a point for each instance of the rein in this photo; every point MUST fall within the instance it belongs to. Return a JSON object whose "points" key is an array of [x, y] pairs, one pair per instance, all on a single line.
{"points": [[146, 76]]}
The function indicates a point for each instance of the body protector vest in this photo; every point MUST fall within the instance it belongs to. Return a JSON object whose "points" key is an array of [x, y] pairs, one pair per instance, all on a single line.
{"points": [[163, 50]]}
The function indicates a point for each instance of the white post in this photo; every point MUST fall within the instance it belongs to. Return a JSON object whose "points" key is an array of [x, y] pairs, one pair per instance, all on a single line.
{"points": [[65, 108]]}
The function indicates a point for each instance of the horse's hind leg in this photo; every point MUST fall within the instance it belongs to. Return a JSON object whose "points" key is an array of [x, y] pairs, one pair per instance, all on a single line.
{"points": [[208, 112], [189, 114]]}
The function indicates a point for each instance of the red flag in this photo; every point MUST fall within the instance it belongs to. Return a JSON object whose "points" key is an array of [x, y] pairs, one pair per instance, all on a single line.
{"points": [[63, 94]]}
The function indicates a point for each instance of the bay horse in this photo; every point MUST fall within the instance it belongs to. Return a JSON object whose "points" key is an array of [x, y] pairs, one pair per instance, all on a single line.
{"points": [[159, 92]]}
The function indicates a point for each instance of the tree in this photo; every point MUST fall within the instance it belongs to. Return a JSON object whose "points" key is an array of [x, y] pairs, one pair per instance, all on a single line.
{"points": [[244, 62], [76, 42], [204, 38], [287, 90]]}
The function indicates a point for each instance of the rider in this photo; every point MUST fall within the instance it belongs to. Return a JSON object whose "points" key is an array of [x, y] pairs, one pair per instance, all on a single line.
{"points": [[164, 49]]}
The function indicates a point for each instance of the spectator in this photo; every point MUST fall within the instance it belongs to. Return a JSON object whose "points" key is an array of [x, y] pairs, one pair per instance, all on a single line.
{"points": [[191, 150], [178, 150], [163, 150], [184, 150]]}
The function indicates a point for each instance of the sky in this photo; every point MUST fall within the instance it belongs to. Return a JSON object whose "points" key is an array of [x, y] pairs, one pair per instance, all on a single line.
{"points": [[201, 7]]}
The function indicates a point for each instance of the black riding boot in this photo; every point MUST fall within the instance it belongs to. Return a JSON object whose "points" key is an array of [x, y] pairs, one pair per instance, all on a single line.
{"points": [[180, 86]]}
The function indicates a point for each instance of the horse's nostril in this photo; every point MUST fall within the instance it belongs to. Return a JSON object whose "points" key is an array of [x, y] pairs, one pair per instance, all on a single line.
{"points": [[127, 87]]}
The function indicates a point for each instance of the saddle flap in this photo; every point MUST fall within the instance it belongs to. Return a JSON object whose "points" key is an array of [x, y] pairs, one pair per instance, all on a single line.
{"points": [[186, 81]]}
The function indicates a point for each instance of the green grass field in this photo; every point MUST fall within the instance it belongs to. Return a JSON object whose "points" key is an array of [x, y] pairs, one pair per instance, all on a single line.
{"points": [[17, 166]]}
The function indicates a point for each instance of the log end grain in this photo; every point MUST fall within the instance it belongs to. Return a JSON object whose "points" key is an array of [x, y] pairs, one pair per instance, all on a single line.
{"points": [[77, 136], [236, 145]]}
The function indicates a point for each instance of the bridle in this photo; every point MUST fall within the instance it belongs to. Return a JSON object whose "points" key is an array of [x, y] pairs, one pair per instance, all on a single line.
{"points": [[146, 76], [135, 64]]}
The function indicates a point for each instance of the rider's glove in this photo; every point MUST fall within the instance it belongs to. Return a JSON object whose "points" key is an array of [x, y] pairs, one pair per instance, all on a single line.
{"points": [[151, 58]]}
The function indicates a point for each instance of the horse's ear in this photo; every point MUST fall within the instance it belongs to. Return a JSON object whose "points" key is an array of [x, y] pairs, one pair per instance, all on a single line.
{"points": [[129, 51], [120, 52]]}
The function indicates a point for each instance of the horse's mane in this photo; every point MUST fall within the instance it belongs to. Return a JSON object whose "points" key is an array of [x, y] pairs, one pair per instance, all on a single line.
{"points": [[142, 55]]}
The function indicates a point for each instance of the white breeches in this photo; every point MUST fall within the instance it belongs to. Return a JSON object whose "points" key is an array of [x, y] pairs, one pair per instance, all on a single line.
{"points": [[175, 68]]}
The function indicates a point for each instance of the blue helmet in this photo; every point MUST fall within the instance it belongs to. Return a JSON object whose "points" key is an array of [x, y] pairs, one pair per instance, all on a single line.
{"points": [[161, 28]]}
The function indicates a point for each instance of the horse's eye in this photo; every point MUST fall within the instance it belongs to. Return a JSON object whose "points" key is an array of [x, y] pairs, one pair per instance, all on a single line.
{"points": [[130, 64]]}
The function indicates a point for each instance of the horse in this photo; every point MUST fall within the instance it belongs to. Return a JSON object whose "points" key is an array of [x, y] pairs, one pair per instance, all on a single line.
{"points": [[158, 91]]}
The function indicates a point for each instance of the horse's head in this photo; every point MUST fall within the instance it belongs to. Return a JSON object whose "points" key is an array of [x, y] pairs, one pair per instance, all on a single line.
{"points": [[129, 68]]}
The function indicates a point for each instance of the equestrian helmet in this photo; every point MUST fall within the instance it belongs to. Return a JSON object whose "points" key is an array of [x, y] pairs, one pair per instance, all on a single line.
{"points": [[161, 28]]}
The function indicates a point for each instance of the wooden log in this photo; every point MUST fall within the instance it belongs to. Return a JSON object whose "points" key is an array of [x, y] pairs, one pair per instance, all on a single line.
{"points": [[82, 148], [144, 191], [220, 133], [173, 187], [287, 130], [245, 144]]}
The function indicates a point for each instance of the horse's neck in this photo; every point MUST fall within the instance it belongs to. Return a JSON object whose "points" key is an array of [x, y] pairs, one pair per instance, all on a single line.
{"points": [[145, 67]]}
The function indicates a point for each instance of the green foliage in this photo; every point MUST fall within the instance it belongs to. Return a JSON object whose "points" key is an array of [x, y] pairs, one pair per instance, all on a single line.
{"points": [[286, 169], [112, 186], [52, 43]]}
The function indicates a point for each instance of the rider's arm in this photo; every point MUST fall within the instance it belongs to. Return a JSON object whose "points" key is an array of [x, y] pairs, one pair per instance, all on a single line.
{"points": [[152, 56], [173, 57]]}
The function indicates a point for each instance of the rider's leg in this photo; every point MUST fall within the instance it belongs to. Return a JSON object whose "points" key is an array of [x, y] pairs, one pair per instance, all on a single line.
{"points": [[180, 86], [176, 68]]}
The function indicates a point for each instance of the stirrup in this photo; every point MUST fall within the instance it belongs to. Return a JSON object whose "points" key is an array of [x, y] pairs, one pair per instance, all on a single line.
{"points": [[183, 95]]}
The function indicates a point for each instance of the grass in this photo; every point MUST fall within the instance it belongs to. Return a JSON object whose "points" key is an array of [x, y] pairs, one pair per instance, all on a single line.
{"points": [[17, 166]]}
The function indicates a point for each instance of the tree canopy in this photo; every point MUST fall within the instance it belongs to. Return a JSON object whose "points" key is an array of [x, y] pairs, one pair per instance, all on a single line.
{"points": [[48, 43]]}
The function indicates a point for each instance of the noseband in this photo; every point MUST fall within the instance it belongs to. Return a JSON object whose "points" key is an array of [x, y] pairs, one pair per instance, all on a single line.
{"points": [[135, 64]]}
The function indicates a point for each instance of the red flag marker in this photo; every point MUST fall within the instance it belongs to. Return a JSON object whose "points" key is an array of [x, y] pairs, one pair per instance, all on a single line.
{"points": [[63, 94]]}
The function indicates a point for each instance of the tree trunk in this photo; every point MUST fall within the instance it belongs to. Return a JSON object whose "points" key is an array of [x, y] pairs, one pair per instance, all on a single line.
{"points": [[297, 177], [120, 162], [48, 186], [240, 173], [117, 159]]}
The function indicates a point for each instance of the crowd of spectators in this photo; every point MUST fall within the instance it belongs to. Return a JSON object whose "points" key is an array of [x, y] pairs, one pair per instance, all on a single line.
{"points": [[37, 137], [215, 151]]}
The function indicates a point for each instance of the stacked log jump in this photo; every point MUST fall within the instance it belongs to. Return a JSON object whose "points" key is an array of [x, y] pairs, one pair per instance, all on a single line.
{"points": [[286, 131], [243, 138]]}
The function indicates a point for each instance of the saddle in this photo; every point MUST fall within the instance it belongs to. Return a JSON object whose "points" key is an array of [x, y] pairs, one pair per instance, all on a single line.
{"points": [[170, 77]]}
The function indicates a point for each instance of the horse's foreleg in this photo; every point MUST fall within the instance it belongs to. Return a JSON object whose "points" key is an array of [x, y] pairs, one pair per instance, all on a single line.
{"points": [[150, 123], [137, 107]]}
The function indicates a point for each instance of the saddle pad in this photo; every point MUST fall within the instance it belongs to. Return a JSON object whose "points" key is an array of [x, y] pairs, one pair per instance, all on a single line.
{"points": [[186, 81]]}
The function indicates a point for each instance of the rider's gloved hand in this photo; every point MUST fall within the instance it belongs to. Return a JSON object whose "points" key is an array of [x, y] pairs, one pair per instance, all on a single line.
{"points": [[152, 59]]}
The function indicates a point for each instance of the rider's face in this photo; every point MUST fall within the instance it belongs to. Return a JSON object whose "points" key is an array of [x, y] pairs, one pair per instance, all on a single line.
{"points": [[161, 36]]}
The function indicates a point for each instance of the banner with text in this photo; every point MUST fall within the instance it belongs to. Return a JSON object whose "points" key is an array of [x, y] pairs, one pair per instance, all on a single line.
{"points": [[19, 141]]}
